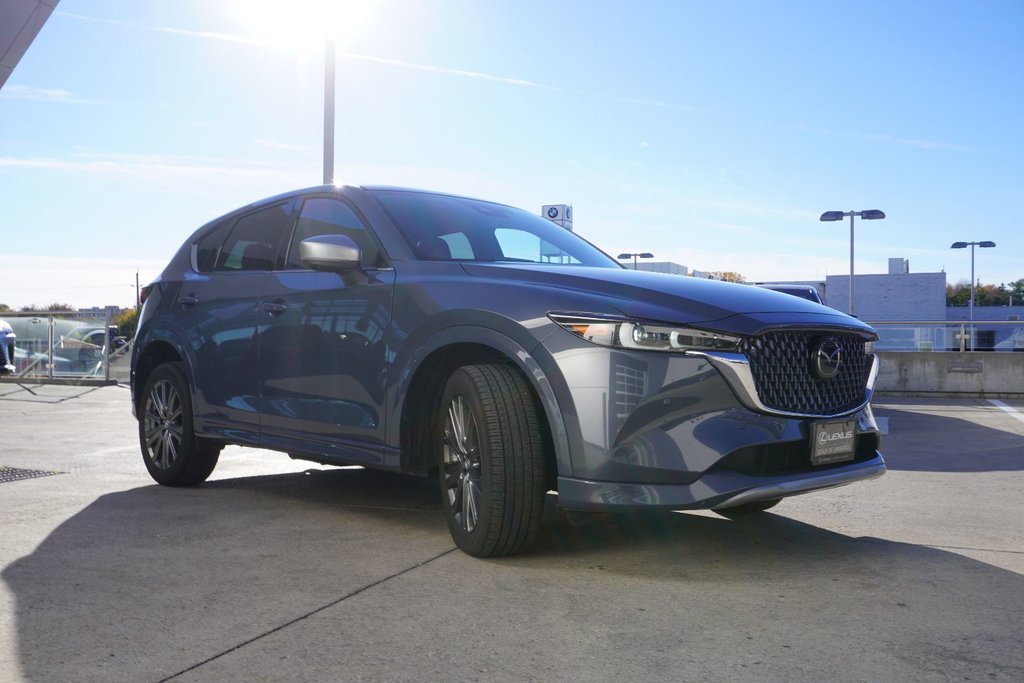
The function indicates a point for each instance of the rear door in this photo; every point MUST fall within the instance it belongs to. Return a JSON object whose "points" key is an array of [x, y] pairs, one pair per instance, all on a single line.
{"points": [[323, 344], [218, 307]]}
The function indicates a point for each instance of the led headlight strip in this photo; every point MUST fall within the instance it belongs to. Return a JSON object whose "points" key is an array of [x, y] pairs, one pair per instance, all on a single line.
{"points": [[632, 334]]}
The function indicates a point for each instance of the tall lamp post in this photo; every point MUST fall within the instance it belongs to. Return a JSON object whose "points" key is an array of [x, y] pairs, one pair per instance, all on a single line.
{"points": [[868, 215], [963, 245], [329, 62], [635, 256]]}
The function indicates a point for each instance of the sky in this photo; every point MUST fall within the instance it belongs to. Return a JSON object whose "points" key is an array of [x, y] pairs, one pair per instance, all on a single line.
{"points": [[710, 134]]}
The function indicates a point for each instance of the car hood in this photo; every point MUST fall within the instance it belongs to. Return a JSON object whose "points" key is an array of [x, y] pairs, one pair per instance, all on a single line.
{"points": [[677, 299]]}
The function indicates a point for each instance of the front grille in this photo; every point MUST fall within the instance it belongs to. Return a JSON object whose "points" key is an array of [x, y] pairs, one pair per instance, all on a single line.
{"points": [[781, 363]]}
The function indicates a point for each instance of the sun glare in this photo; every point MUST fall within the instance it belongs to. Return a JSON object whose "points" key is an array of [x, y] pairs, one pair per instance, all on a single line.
{"points": [[300, 24]]}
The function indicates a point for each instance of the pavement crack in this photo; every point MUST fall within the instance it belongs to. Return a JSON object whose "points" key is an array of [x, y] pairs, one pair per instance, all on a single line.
{"points": [[981, 550], [296, 620]]}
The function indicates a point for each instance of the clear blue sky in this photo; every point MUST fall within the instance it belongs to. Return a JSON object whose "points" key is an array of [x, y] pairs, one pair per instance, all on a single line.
{"points": [[712, 134]]}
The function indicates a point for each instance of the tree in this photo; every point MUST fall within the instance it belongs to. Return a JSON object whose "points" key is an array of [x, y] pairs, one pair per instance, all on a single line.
{"points": [[1017, 290], [127, 322], [959, 294], [4, 308], [991, 295], [57, 306], [727, 276]]}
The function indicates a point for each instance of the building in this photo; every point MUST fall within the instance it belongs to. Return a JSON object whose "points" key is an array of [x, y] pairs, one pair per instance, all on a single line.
{"points": [[663, 267], [100, 312]]}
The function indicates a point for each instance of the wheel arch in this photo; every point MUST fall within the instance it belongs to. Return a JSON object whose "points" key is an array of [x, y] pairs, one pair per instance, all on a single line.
{"points": [[423, 382], [150, 355]]}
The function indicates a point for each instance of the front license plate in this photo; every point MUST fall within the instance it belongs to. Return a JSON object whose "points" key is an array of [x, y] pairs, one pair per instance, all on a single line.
{"points": [[832, 442]]}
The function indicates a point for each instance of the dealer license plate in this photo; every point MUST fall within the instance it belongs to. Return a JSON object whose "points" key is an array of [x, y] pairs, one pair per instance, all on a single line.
{"points": [[832, 442]]}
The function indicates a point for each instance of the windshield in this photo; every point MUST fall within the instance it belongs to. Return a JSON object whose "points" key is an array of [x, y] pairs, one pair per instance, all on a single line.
{"points": [[445, 228]]}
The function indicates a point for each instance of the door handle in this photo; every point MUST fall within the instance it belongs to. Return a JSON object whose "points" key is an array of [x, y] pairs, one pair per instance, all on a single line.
{"points": [[188, 300], [274, 307]]}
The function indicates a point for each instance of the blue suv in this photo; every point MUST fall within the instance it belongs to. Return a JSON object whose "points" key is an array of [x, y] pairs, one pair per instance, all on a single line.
{"points": [[442, 336]]}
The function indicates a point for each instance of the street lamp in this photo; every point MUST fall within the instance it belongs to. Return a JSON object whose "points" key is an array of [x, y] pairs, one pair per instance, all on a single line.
{"points": [[635, 256], [329, 61], [868, 215], [963, 245]]}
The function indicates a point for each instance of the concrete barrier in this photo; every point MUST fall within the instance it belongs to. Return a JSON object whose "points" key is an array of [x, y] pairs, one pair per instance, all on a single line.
{"points": [[975, 373]]}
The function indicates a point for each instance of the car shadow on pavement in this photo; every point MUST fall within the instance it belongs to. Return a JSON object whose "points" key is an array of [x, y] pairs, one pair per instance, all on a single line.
{"points": [[11, 390], [144, 583], [966, 446]]}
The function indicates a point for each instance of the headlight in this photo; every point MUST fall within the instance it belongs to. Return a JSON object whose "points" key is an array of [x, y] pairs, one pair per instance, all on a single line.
{"points": [[630, 334]]}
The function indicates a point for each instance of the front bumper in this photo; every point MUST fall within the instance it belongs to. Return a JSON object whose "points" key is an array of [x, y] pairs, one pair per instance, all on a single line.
{"points": [[678, 432], [715, 490]]}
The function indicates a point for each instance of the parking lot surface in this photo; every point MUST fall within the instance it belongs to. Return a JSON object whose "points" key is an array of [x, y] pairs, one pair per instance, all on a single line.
{"points": [[281, 570]]}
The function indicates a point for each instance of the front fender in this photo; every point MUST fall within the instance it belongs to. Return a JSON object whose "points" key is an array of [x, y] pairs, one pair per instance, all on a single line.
{"points": [[521, 348]]}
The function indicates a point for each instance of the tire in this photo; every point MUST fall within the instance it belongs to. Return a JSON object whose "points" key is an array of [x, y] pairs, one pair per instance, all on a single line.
{"points": [[173, 454], [492, 460], [748, 509]]}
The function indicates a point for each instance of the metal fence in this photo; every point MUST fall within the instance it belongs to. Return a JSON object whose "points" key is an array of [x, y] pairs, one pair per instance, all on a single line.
{"points": [[52, 345], [60, 345], [958, 336]]}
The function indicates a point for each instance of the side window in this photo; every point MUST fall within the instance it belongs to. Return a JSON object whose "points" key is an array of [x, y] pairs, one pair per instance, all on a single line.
{"points": [[208, 246], [459, 246], [326, 216], [519, 245], [252, 244]]}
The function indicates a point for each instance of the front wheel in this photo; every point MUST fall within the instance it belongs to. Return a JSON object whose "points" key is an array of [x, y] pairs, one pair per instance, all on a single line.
{"points": [[173, 454], [492, 465]]}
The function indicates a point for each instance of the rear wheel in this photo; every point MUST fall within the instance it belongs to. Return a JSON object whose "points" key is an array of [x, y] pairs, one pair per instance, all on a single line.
{"points": [[748, 509], [492, 460], [173, 454]]}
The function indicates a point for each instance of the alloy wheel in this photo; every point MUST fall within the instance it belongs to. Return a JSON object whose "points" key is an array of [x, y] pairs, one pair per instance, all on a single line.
{"points": [[462, 464], [163, 424]]}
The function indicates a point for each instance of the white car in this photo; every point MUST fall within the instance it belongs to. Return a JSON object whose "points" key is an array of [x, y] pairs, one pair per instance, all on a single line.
{"points": [[7, 337]]}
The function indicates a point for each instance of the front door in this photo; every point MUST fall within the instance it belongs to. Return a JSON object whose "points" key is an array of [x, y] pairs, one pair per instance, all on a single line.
{"points": [[323, 346]]}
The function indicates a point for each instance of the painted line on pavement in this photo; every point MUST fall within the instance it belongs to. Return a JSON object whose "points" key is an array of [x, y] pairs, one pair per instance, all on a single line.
{"points": [[1009, 410]]}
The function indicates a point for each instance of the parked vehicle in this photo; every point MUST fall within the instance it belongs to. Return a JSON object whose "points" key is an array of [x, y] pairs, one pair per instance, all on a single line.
{"points": [[803, 291], [7, 338], [438, 335]]}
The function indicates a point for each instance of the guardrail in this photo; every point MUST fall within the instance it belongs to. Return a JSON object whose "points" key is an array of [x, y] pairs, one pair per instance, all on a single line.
{"points": [[950, 358], [957, 336], [58, 346], [917, 357]]}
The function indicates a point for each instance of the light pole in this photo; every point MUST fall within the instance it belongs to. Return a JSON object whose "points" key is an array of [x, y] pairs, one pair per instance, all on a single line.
{"points": [[868, 215], [963, 245], [635, 256], [329, 111]]}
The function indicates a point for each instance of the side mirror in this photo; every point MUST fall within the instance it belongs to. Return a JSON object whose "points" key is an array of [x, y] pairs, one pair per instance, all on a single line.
{"points": [[335, 253]]}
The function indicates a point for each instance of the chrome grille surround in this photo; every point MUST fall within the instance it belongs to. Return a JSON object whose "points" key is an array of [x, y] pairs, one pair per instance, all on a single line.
{"points": [[773, 374]]}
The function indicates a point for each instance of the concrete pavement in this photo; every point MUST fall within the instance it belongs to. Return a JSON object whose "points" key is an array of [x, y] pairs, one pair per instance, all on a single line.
{"points": [[280, 570]]}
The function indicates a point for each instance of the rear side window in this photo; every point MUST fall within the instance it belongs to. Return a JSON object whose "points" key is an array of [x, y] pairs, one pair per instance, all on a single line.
{"points": [[208, 247], [327, 216], [252, 244]]}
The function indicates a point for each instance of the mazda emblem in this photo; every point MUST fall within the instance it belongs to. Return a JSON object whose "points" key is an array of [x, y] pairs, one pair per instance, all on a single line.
{"points": [[827, 358]]}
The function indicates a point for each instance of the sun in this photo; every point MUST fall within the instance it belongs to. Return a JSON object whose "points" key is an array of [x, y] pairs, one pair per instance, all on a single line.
{"points": [[300, 24]]}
